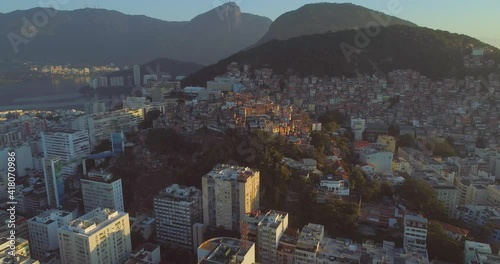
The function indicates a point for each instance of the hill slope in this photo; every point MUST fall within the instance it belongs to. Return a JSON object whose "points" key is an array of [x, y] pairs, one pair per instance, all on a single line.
{"points": [[434, 53], [325, 17], [94, 36]]}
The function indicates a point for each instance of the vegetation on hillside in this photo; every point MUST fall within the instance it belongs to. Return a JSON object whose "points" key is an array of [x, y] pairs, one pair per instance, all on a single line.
{"points": [[434, 53]]}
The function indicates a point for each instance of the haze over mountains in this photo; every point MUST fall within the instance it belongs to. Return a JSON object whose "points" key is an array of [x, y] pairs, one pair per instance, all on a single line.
{"points": [[97, 36]]}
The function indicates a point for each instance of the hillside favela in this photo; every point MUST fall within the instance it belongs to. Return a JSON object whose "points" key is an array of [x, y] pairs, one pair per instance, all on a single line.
{"points": [[249, 132]]}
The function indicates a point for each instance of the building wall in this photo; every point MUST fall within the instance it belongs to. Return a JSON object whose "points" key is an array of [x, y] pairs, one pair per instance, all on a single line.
{"points": [[102, 194], [112, 241]]}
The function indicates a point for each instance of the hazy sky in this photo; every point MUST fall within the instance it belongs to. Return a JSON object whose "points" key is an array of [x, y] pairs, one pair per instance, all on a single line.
{"points": [[479, 18]]}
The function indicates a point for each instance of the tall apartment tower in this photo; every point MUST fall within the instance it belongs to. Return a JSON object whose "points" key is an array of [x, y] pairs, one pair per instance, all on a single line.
{"points": [[68, 144], [415, 234], [308, 243], [177, 209], [100, 236], [43, 232], [229, 192], [137, 76], [54, 181], [266, 230], [358, 126], [101, 189]]}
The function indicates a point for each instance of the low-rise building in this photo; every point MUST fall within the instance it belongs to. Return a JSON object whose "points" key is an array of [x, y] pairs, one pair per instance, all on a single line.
{"points": [[226, 250]]}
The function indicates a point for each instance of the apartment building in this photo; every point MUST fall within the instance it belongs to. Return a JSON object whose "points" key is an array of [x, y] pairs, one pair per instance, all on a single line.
{"points": [[378, 156], [229, 192], [308, 243], [101, 189], [226, 250], [415, 233], [177, 209], [266, 230], [43, 231], [493, 194], [21, 249], [68, 144], [53, 170], [100, 236], [389, 141], [335, 184]]}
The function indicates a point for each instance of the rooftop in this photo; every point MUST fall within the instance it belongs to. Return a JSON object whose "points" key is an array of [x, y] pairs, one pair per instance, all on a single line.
{"points": [[179, 191], [93, 221], [231, 173], [223, 250]]}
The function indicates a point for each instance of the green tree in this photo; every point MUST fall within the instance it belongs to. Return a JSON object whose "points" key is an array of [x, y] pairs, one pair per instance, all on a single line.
{"points": [[441, 246], [321, 142], [405, 141], [339, 218], [421, 198], [330, 127], [332, 116]]}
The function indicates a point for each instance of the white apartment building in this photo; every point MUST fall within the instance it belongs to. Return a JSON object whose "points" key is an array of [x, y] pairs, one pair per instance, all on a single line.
{"points": [[335, 184], [266, 230], [229, 192], [308, 243], [43, 232], [358, 126], [177, 209], [53, 171], [22, 251], [415, 233], [270, 230], [101, 189], [24, 158], [378, 156], [493, 195], [100, 236], [68, 144], [226, 250]]}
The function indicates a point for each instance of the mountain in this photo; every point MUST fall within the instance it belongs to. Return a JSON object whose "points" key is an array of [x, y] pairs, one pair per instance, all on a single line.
{"points": [[434, 53], [97, 36], [326, 17]]}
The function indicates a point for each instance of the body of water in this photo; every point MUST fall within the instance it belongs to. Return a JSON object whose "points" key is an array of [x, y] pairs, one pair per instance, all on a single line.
{"points": [[45, 94]]}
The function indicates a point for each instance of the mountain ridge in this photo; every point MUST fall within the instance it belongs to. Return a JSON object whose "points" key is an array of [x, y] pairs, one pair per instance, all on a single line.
{"points": [[317, 18], [434, 53], [94, 36]]}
